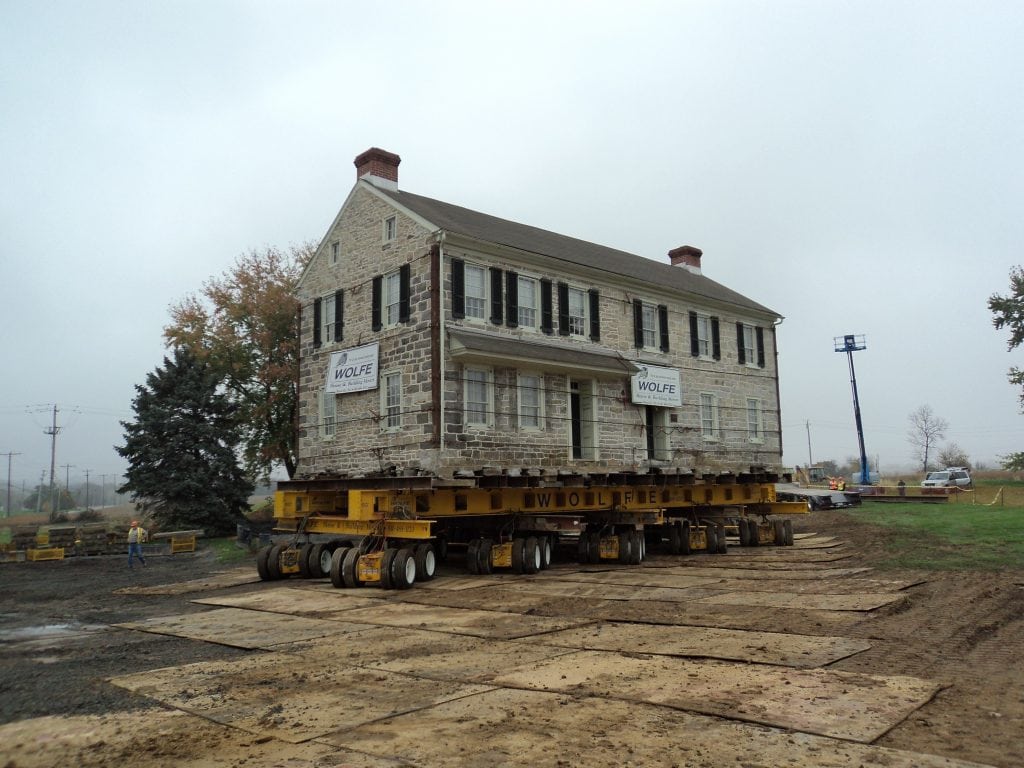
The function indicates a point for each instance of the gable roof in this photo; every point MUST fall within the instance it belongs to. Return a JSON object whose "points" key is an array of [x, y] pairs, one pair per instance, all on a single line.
{"points": [[491, 229]]}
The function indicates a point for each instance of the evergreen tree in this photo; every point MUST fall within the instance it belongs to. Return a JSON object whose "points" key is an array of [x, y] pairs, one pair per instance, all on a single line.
{"points": [[182, 449]]}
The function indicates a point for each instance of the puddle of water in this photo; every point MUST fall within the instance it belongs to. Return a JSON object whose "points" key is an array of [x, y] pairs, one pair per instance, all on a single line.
{"points": [[48, 632]]}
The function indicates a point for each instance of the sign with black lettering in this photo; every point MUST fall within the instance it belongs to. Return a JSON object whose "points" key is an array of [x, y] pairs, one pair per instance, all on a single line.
{"points": [[353, 370], [655, 385]]}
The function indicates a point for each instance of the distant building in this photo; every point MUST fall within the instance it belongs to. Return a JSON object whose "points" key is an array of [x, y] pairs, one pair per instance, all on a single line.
{"points": [[435, 338]]}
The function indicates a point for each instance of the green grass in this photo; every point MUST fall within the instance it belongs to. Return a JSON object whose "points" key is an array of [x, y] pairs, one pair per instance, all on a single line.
{"points": [[951, 536], [226, 551]]}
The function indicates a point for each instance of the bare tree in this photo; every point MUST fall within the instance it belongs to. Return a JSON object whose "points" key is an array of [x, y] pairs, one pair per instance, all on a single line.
{"points": [[926, 429], [952, 455]]}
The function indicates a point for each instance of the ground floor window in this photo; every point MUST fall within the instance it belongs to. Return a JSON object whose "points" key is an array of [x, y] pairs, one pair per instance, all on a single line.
{"points": [[328, 411], [708, 416], [531, 400], [477, 396]]}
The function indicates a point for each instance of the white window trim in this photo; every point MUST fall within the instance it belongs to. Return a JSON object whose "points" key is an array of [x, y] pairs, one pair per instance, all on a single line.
{"points": [[520, 387], [585, 329], [488, 421], [396, 277], [704, 323], [750, 353], [759, 437], [536, 307], [715, 418], [384, 426], [592, 424], [327, 326], [328, 424], [486, 283], [335, 251], [653, 331], [389, 222]]}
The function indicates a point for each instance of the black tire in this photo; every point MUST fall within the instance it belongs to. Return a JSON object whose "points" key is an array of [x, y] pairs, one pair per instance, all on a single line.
{"points": [[684, 538], [274, 562], [304, 553], [636, 556], [594, 546], [483, 560], [547, 551], [723, 545], [626, 547], [779, 528], [473, 556], [583, 549], [441, 549], [349, 567], [319, 557], [386, 560], [531, 555], [261, 562], [518, 559], [753, 533], [741, 524], [337, 561], [789, 532], [426, 561], [675, 544], [403, 569], [712, 540]]}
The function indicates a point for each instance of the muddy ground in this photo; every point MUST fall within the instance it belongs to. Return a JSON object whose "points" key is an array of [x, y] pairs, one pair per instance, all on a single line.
{"points": [[58, 651]]}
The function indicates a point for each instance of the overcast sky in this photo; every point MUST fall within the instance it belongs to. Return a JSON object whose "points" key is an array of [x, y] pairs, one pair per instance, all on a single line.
{"points": [[856, 166]]}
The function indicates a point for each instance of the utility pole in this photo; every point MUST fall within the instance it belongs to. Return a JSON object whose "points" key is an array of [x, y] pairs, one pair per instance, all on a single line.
{"points": [[103, 489], [39, 491], [9, 455], [53, 432], [810, 458], [67, 482], [850, 344], [87, 488]]}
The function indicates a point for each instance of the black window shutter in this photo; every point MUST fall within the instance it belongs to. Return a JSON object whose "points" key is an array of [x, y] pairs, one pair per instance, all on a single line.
{"points": [[316, 322], [694, 341], [563, 309], [458, 288], [595, 314], [638, 323], [741, 353], [404, 287], [511, 299], [375, 316], [760, 346], [339, 314], [716, 345], [663, 326], [547, 324], [497, 304]]}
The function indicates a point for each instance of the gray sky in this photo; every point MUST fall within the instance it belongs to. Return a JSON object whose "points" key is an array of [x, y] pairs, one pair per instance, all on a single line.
{"points": [[856, 166]]}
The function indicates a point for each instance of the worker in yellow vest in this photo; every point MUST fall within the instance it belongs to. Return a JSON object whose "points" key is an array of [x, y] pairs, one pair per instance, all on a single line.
{"points": [[136, 536]]}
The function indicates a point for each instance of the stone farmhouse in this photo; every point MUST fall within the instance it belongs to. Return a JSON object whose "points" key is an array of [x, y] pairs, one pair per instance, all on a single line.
{"points": [[436, 339]]}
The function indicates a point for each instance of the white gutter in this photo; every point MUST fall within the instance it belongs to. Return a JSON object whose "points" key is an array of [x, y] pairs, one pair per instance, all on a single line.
{"points": [[441, 369]]}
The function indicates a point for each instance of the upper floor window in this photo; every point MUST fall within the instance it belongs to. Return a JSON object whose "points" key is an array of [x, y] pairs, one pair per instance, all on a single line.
{"points": [[391, 401], [328, 318], [476, 291], [750, 345], [477, 396], [704, 337], [755, 423], [650, 325], [529, 302], [390, 228], [577, 312], [708, 416], [391, 298], [335, 251], [531, 401]]}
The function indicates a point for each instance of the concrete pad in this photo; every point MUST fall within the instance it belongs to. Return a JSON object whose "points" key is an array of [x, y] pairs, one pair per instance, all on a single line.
{"points": [[799, 651], [842, 705], [239, 628], [221, 580], [287, 697], [517, 727], [856, 602], [315, 603], [459, 621]]}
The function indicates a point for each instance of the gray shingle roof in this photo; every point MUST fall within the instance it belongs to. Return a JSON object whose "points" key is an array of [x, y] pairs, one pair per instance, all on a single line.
{"points": [[491, 229]]}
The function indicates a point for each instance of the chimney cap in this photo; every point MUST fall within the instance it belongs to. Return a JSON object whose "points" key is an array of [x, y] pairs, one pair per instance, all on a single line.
{"points": [[685, 250], [379, 163]]}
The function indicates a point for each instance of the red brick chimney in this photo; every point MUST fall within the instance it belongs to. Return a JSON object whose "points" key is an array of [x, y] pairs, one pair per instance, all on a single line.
{"points": [[686, 256], [377, 162]]}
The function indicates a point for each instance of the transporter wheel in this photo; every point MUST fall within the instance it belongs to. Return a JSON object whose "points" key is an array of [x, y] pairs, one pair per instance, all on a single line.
{"points": [[274, 561], [712, 540], [753, 533], [518, 561], [483, 559], [547, 548], [594, 546], [531, 555], [741, 524], [320, 559], [626, 547], [441, 549], [779, 529], [675, 544], [304, 553], [262, 558], [723, 545], [473, 556], [349, 567], [403, 569], [684, 537], [386, 560], [636, 555], [335, 572], [789, 532], [583, 549], [426, 561]]}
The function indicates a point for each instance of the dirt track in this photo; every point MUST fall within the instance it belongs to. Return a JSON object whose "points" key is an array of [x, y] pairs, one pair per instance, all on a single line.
{"points": [[572, 671]]}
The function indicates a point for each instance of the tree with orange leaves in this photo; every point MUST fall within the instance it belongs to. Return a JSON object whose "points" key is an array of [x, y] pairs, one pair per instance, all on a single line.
{"points": [[244, 324]]}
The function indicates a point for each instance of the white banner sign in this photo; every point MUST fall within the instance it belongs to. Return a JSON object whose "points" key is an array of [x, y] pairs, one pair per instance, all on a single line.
{"points": [[353, 370], [654, 385]]}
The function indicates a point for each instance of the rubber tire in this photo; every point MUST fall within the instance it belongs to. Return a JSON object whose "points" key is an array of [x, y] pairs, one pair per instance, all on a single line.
{"points": [[337, 558], [753, 533], [441, 549], [789, 532], [426, 561], [547, 551], [594, 546], [531, 556], [313, 565], [473, 556], [712, 540], [675, 544], [518, 559], [274, 562], [403, 569], [626, 547], [723, 545], [636, 555], [483, 560], [779, 528], [583, 549], [684, 537], [261, 562], [304, 553], [385, 567], [741, 524], [349, 566]]}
